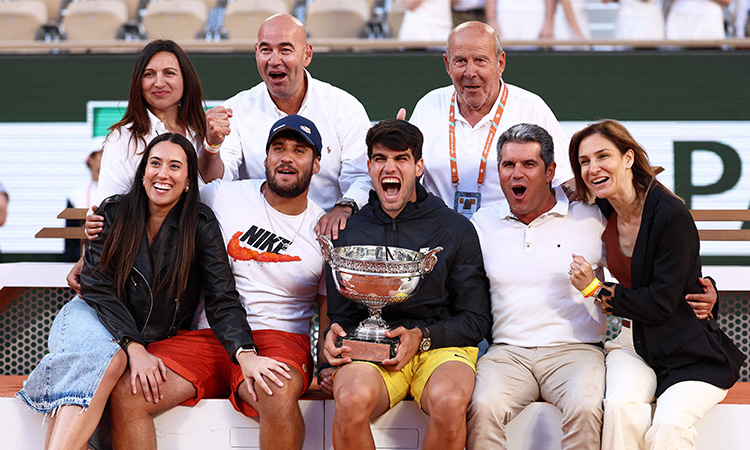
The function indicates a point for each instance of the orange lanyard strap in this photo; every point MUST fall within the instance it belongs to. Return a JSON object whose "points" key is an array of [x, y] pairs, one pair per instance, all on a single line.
{"points": [[487, 144]]}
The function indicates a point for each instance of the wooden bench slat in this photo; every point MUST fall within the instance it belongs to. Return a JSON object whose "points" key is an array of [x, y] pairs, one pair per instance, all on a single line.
{"points": [[10, 384], [720, 215], [73, 214], [64, 233], [724, 235], [739, 394]]}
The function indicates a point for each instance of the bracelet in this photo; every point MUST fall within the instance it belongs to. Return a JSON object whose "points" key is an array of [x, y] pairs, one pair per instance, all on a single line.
{"points": [[208, 147], [591, 288]]}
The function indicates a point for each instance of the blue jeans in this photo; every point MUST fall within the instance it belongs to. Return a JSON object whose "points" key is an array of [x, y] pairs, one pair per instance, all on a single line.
{"points": [[80, 351]]}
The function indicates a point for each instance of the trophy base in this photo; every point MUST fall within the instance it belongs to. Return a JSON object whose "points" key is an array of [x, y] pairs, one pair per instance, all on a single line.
{"points": [[368, 350]]}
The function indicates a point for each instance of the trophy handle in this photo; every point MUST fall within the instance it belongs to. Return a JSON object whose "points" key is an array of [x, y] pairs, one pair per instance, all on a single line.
{"points": [[429, 261], [326, 246]]}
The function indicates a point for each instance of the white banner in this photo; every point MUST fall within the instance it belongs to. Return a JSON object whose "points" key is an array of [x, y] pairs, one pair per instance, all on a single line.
{"points": [[42, 163]]}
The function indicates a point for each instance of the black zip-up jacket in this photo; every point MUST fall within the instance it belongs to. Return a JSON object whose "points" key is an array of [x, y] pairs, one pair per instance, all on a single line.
{"points": [[453, 301], [145, 316]]}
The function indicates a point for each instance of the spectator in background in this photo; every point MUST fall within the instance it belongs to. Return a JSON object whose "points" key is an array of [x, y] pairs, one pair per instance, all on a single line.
{"points": [[526, 20], [236, 150], [165, 95], [740, 14], [3, 204], [571, 20], [696, 19], [639, 20], [738, 18], [3, 209], [426, 20], [83, 197], [467, 10]]}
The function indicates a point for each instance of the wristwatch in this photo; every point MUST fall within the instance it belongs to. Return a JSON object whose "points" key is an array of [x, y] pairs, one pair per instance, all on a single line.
{"points": [[246, 348], [426, 343], [346, 201]]}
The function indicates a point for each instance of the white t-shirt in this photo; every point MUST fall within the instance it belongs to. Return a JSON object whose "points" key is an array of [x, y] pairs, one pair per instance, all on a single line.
{"points": [[121, 157], [533, 302], [276, 295], [431, 116], [341, 120]]}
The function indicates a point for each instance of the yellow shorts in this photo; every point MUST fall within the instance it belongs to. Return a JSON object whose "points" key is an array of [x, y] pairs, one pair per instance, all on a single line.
{"points": [[413, 377]]}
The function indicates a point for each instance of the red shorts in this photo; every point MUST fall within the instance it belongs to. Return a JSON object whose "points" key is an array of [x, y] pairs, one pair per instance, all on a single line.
{"points": [[199, 357]]}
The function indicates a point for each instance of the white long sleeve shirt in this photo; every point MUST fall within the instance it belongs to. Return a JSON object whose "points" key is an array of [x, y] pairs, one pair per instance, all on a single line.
{"points": [[341, 120]]}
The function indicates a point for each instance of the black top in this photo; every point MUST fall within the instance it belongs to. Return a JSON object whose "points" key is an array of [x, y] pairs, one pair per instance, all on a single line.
{"points": [[145, 316], [664, 268], [453, 301]]}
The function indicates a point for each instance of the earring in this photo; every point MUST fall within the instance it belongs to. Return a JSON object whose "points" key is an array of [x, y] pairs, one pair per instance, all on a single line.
{"points": [[143, 181], [187, 188]]}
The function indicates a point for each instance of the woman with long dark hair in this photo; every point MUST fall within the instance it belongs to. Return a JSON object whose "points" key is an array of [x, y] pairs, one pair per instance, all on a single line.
{"points": [[141, 283], [165, 96], [652, 248]]}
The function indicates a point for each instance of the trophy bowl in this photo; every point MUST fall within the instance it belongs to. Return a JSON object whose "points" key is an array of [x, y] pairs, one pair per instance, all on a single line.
{"points": [[376, 276]]}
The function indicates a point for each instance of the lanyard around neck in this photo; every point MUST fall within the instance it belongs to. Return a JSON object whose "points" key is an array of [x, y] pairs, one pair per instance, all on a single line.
{"points": [[487, 144]]}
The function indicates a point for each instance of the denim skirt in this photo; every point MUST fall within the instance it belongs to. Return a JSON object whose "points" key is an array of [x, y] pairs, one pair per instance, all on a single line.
{"points": [[80, 351]]}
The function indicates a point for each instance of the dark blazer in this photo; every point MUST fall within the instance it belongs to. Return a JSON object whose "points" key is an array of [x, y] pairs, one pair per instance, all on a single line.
{"points": [[146, 316], [666, 332]]}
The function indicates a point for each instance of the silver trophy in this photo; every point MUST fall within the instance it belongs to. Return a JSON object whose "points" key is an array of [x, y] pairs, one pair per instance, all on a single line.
{"points": [[376, 276]]}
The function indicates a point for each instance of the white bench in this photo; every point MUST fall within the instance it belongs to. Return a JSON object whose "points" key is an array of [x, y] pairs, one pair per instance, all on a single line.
{"points": [[213, 424]]}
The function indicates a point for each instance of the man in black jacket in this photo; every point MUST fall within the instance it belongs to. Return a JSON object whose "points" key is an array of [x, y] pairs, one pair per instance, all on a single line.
{"points": [[439, 328]]}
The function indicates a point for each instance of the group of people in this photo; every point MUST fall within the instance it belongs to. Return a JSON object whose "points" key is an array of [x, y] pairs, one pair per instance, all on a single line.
{"points": [[203, 271], [636, 19]]}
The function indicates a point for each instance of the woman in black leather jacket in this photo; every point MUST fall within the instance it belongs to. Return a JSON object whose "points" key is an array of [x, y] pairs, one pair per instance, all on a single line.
{"points": [[141, 283]]}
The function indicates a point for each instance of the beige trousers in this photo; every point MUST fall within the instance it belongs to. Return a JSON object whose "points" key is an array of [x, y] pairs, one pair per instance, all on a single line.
{"points": [[509, 378]]}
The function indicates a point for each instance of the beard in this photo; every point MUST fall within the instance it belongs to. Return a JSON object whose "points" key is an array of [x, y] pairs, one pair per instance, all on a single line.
{"points": [[290, 190]]}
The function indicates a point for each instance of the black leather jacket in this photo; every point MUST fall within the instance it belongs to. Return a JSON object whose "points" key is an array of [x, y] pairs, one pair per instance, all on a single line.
{"points": [[145, 316]]}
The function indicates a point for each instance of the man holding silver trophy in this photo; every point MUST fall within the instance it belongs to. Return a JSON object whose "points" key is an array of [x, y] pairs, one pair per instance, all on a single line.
{"points": [[435, 301]]}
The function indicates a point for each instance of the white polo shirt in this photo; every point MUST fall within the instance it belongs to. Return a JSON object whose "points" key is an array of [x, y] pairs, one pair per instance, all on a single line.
{"points": [[276, 295], [533, 302], [431, 116], [122, 155], [341, 120]]}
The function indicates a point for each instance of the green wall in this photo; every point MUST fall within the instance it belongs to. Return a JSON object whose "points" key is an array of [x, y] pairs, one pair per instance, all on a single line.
{"points": [[648, 85]]}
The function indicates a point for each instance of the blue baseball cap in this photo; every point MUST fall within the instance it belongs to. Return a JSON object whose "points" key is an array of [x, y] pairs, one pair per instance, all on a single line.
{"points": [[303, 126]]}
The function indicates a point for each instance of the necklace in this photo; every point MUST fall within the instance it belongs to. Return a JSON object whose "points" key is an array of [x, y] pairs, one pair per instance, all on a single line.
{"points": [[268, 215]]}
